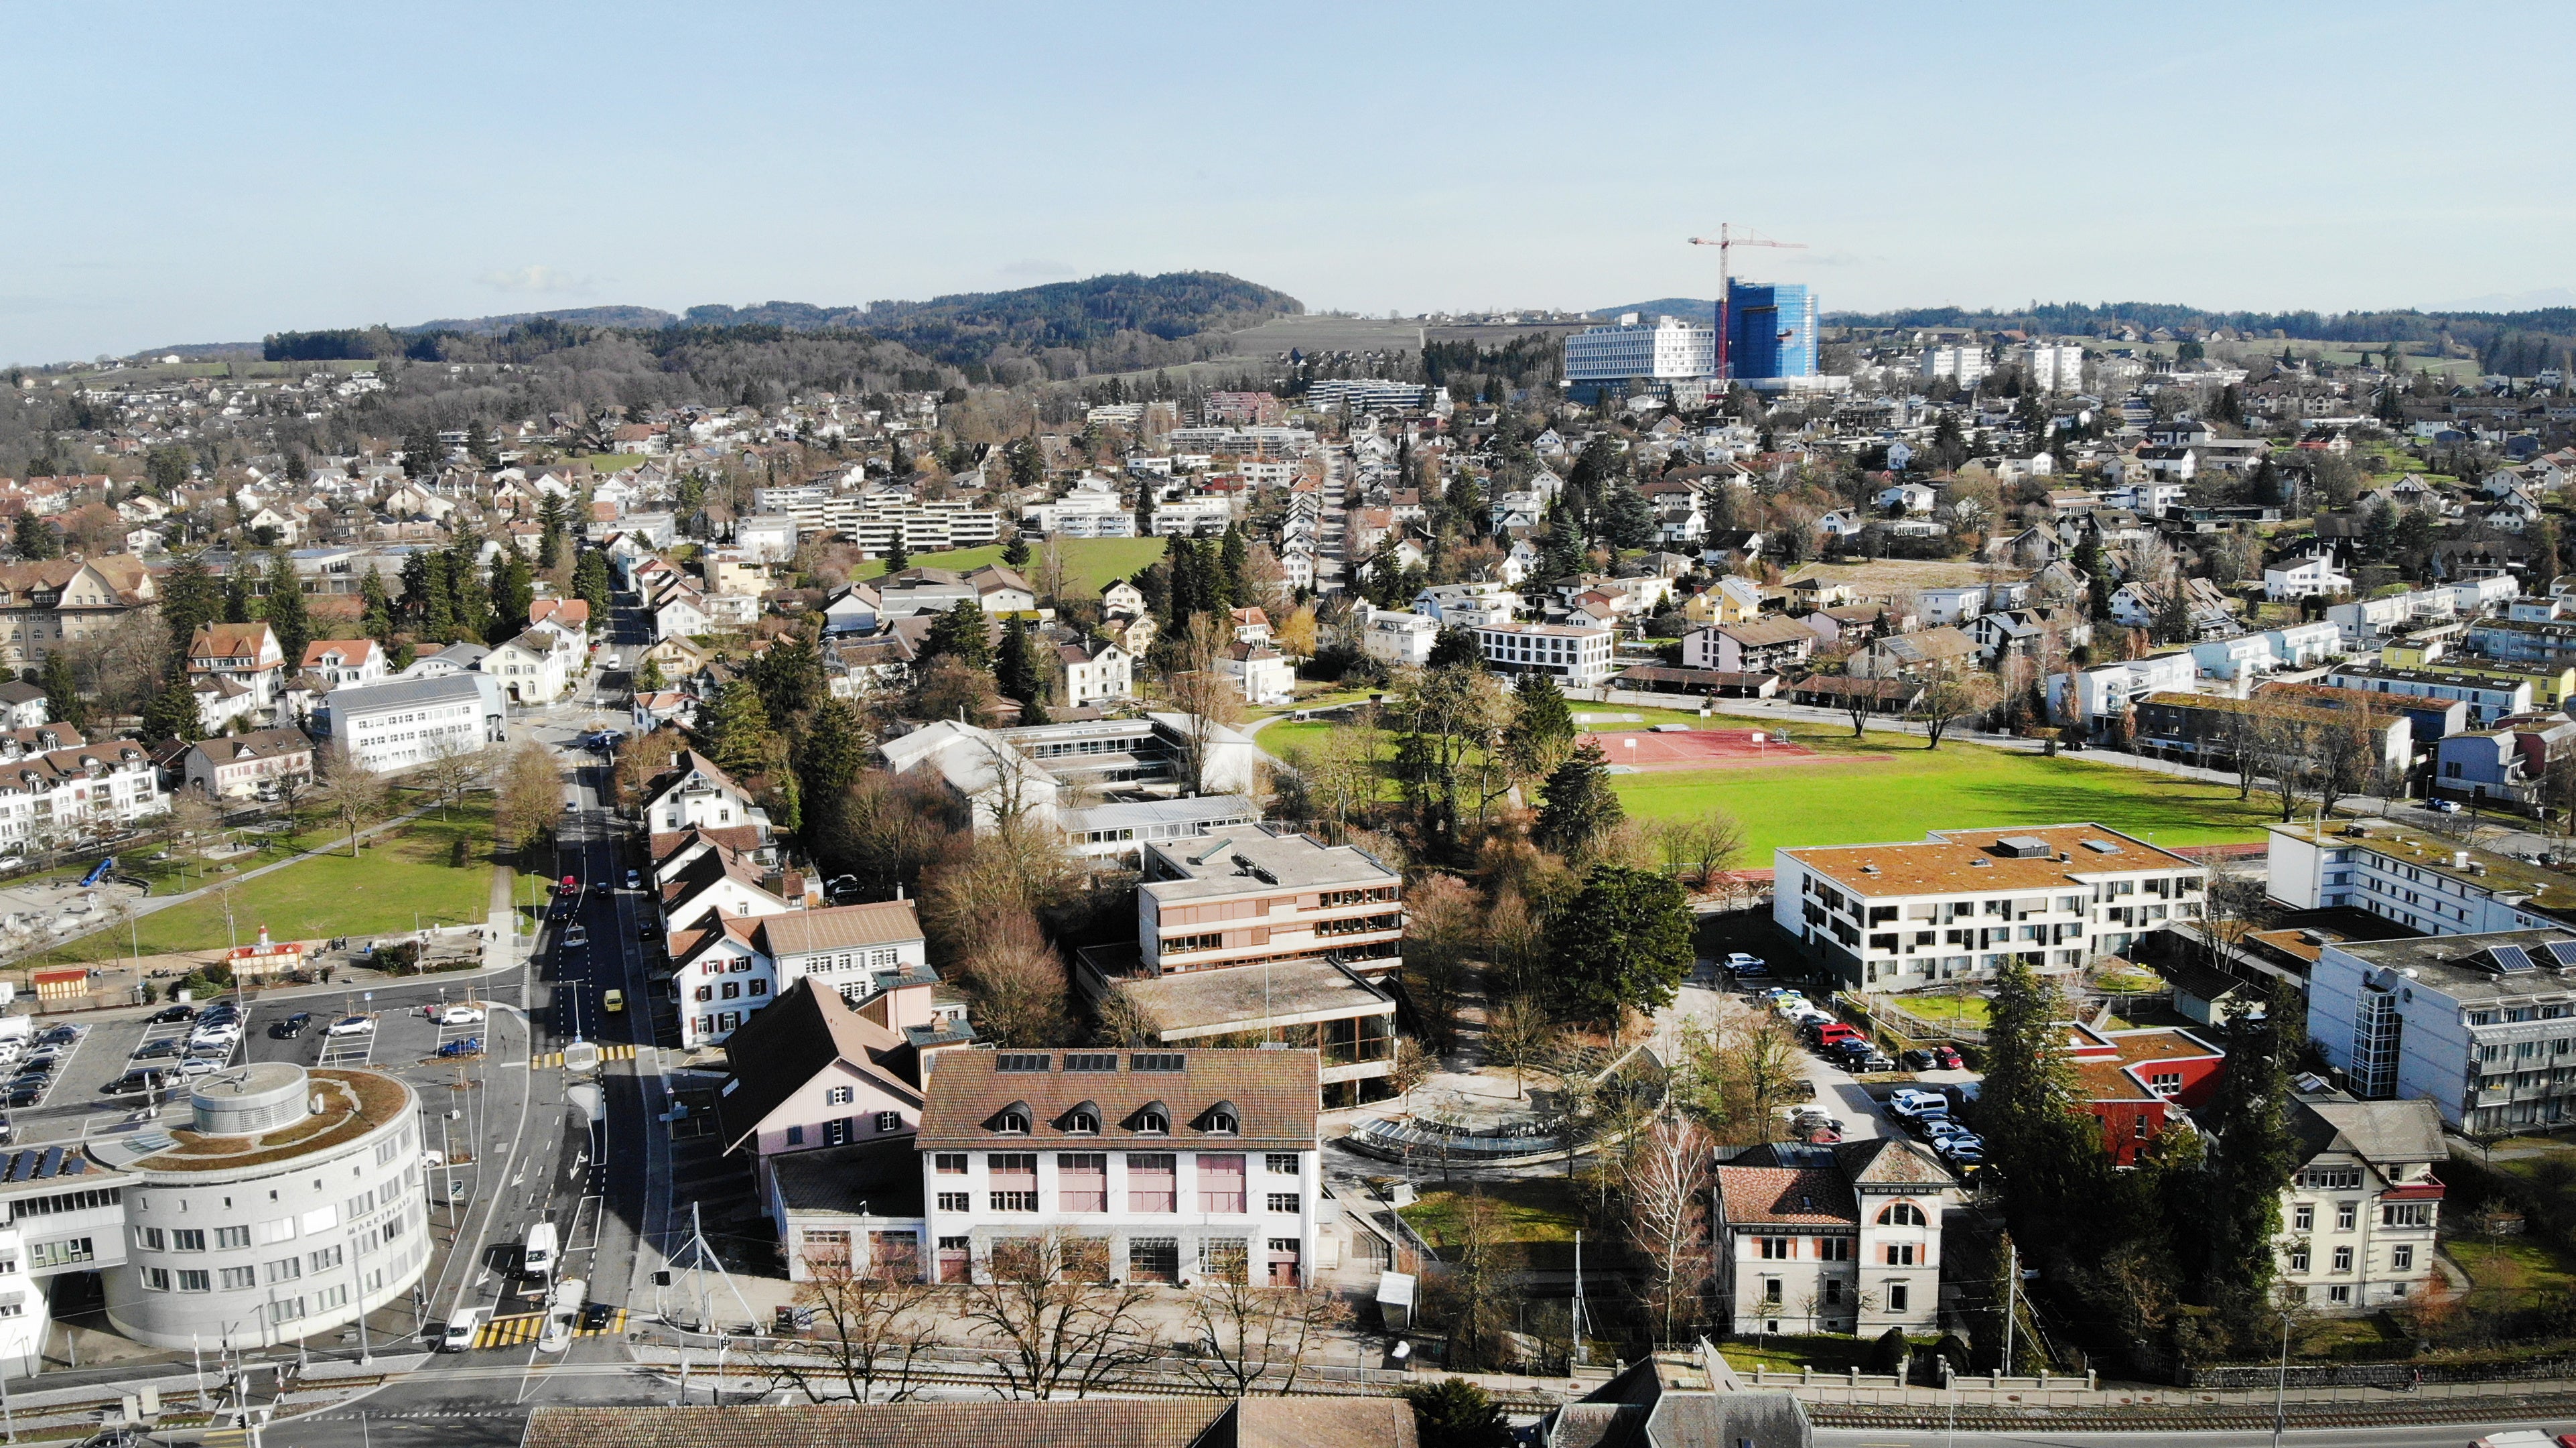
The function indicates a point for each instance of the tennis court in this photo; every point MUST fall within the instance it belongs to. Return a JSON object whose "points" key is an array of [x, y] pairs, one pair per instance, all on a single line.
{"points": [[1646, 749]]}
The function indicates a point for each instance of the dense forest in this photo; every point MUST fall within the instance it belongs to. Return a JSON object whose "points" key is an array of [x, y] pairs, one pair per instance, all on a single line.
{"points": [[1050, 333]]}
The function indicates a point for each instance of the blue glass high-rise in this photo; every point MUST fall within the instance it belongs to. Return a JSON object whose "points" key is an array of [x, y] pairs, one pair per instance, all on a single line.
{"points": [[1770, 330]]}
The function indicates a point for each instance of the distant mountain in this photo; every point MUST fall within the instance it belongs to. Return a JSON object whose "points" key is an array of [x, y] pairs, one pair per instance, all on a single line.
{"points": [[1695, 309], [577, 316]]}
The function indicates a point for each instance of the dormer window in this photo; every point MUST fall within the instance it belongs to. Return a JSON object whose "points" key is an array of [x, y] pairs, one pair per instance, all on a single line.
{"points": [[1012, 1120], [1222, 1124], [1221, 1119], [1082, 1123], [1151, 1119]]}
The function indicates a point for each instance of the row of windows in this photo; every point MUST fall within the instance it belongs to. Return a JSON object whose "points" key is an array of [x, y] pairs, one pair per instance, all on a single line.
{"points": [[2401, 1258]]}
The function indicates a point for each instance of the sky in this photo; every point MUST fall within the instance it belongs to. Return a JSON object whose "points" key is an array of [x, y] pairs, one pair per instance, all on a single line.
{"points": [[205, 173]]}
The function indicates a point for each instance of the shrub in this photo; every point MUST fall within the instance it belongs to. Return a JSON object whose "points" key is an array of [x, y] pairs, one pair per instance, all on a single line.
{"points": [[1888, 1354], [1955, 1350], [1456, 1413], [398, 955]]}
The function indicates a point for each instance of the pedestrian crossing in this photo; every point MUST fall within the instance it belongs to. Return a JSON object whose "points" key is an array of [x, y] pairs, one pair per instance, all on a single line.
{"points": [[519, 1329], [553, 1060]]}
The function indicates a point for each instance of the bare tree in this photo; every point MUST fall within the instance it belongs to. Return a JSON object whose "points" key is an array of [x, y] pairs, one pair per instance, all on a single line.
{"points": [[193, 820], [1667, 1175], [1952, 690], [1208, 701], [2347, 751], [871, 1332], [449, 768], [2283, 736], [531, 799], [1519, 1034], [353, 794], [1441, 929], [1246, 1332], [1409, 1067], [1059, 1325], [1123, 1020]]}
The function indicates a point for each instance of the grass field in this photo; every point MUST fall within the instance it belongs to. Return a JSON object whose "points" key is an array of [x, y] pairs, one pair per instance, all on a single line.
{"points": [[2520, 1264], [1089, 563], [1538, 1217], [609, 462], [1961, 1010], [1846, 801], [392, 883]]}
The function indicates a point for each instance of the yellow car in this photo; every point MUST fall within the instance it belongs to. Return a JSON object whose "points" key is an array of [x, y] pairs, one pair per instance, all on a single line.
{"points": [[613, 1001]]}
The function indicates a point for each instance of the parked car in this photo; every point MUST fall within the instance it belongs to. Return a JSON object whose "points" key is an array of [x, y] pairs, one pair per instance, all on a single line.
{"points": [[467, 1046], [132, 1083], [167, 1014], [1747, 966], [2443, 806], [1960, 1153], [1866, 1061], [1832, 1035], [1906, 1101], [352, 1026], [196, 1066], [23, 1093], [40, 1064], [293, 1026], [461, 1016], [59, 1036], [164, 1048]]}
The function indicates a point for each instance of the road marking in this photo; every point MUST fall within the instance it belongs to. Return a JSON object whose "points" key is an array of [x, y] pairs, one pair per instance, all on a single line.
{"points": [[553, 1060]]}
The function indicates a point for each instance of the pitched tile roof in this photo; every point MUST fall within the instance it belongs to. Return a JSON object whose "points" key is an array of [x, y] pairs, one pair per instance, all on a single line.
{"points": [[1786, 1196], [800, 1035], [798, 932], [1273, 1095]]}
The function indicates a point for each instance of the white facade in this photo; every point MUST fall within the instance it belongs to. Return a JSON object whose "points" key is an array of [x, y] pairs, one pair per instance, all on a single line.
{"points": [[1574, 657], [405, 723], [2425, 885], [1963, 365], [2304, 578], [24, 1313], [1098, 678], [2481, 1027], [1665, 349], [2056, 367], [1398, 638]]}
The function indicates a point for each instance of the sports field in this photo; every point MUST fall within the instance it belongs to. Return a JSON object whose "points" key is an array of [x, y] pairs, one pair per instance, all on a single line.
{"points": [[1089, 563], [1889, 787]]}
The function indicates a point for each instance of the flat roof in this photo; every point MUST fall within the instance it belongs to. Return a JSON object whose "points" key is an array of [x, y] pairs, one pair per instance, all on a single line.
{"points": [[1195, 809], [1243, 997], [2499, 874], [1961, 861], [354, 1103], [2453, 963], [1251, 859]]}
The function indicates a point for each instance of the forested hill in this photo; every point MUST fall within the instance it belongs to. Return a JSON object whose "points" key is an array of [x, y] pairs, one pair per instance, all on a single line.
{"points": [[1105, 323]]}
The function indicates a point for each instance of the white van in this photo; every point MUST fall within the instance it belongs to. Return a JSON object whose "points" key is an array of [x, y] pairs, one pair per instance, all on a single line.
{"points": [[539, 1257]]}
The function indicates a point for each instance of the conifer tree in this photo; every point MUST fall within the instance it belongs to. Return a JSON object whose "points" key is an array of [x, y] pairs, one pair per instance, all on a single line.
{"points": [[172, 713], [1578, 803], [62, 690], [513, 591], [962, 634], [1015, 668], [284, 609], [740, 739], [590, 581], [238, 601], [375, 609], [190, 599]]}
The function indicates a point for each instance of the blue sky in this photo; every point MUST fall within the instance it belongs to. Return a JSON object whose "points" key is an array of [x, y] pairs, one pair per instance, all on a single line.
{"points": [[210, 173]]}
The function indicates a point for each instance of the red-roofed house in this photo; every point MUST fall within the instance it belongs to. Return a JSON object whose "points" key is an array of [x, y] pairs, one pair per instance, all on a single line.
{"points": [[2139, 1082], [1832, 1238]]}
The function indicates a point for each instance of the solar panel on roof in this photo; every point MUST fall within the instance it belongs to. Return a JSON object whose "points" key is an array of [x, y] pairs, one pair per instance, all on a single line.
{"points": [[52, 1163], [2510, 957], [2563, 952], [19, 1162]]}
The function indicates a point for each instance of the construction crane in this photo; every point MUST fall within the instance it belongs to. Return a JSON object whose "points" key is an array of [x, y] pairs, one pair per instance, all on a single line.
{"points": [[1725, 241]]}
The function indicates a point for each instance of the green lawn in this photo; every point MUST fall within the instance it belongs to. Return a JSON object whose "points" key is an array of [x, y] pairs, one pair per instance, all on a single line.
{"points": [[2512, 1263], [1962, 1010], [393, 881], [1823, 1351], [1840, 800], [1089, 563], [1538, 1217], [610, 462]]}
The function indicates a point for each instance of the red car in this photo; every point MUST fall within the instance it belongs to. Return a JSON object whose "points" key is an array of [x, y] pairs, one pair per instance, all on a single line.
{"points": [[570, 886]]}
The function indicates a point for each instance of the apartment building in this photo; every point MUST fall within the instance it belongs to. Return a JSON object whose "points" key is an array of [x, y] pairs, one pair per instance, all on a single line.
{"points": [[49, 604], [1575, 657], [1258, 930], [2211, 729], [729, 966], [2409, 878], [63, 796], [2489, 697], [403, 723], [1747, 648], [1840, 1239], [1666, 349], [2363, 1206], [2482, 1027], [1962, 903], [237, 671], [1165, 1166]]}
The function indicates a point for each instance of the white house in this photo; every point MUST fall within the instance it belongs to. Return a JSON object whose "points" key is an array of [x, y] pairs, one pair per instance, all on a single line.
{"points": [[345, 661], [1843, 1239], [1096, 671], [2312, 577], [693, 794], [1261, 672], [1397, 637], [537, 667]]}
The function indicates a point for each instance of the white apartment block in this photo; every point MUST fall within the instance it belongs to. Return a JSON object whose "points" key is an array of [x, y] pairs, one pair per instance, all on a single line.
{"points": [[2481, 1027], [1163, 1167], [404, 723], [2055, 366], [2428, 885], [1963, 365], [1575, 657], [1665, 349], [1961, 904]]}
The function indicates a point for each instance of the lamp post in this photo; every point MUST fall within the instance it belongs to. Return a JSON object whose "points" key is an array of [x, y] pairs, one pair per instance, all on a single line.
{"points": [[2281, 1384]]}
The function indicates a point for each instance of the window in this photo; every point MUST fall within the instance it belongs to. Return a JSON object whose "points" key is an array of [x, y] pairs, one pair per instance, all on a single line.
{"points": [[836, 1132], [1835, 1249], [1286, 1203], [1152, 1123], [1280, 1163], [157, 1278], [1222, 1123], [1900, 1254], [1155, 1061], [956, 1201], [2303, 1218], [1220, 1182], [195, 1279], [2340, 1295], [1901, 1214], [2406, 1214], [324, 1260], [839, 1096], [1898, 1295], [1022, 1061], [151, 1239], [1153, 1259], [2343, 1259], [2299, 1258], [1091, 1060], [1771, 1291], [1224, 1258], [237, 1278], [232, 1237], [1777, 1249], [796, 1136], [1082, 1181], [1152, 1182], [187, 1239], [1013, 1123], [1083, 1123], [1833, 1292], [889, 1121], [2345, 1215], [285, 1269], [949, 1163]]}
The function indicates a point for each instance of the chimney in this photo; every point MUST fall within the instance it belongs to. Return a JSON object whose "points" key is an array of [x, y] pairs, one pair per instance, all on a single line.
{"points": [[2459, 859]]}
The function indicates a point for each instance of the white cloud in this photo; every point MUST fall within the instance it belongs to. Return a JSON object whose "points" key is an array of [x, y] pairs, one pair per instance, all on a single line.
{"points": [[534, 279]]}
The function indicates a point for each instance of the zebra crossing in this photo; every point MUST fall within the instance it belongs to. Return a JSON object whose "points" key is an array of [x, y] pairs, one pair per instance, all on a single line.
{"points": [[522, 1328], [553, 1060]]}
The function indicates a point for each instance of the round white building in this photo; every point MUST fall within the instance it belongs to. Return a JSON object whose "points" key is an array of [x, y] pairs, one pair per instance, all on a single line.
{"points": [[293, 1203]]}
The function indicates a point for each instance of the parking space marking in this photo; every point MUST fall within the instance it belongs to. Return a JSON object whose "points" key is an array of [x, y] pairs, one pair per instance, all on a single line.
{"points": [[64, 1054]]}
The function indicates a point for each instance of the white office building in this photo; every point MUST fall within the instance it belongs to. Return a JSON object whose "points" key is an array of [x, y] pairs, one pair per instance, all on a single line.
{"points": [[1963, 365], [2055, 366], [1666, 349], [405, 723], [2481, 1026], [1577, 658]]}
